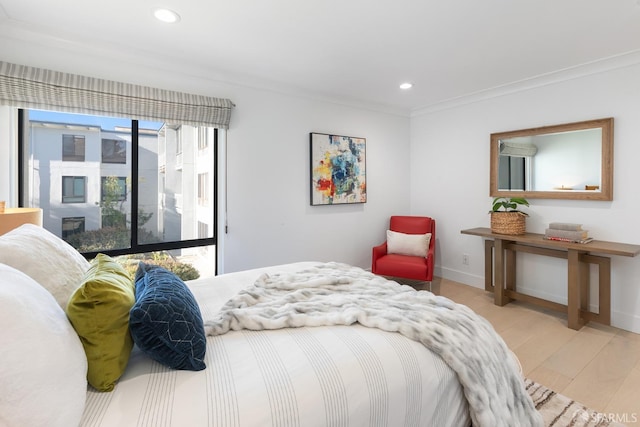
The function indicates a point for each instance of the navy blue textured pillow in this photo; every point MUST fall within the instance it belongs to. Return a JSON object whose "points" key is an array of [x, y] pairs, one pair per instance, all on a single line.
{"points": [[165, 321]]}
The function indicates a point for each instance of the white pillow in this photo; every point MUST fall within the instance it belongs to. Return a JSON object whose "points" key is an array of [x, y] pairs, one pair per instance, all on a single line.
{"points": [[408, 244], [43, 368], [46, 258]]}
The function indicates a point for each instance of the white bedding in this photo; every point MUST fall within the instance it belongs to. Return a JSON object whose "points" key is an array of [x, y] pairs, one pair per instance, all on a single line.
{"points": [[320, 376]]}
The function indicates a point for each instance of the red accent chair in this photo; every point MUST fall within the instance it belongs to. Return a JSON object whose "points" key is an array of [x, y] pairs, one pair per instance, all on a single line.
{"points": [[407, 266]]}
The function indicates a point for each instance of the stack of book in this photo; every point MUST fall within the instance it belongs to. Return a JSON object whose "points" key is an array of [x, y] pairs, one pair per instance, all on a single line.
{"points": [[567, 232]]}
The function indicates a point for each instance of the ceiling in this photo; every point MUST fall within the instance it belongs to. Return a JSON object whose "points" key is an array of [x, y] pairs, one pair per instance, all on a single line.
{"points": [[352, 50]]}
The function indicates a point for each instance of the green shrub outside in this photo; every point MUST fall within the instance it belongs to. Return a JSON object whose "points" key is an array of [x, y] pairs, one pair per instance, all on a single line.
{"points": [[183, 270]]}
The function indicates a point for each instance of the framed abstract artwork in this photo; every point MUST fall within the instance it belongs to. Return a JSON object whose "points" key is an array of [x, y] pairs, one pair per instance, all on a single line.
{"points": [[338, 169]]}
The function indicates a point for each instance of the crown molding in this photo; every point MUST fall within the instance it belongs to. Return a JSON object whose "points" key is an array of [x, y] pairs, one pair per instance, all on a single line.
{"points": [[603, 65]]}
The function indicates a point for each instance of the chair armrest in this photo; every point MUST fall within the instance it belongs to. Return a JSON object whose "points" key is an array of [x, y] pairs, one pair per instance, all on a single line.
{"points": [[431, 260], [431, 252], [378, 252]]}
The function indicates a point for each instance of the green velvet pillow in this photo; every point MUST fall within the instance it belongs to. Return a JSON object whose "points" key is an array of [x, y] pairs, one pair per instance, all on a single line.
{"points": [[99, 312]]}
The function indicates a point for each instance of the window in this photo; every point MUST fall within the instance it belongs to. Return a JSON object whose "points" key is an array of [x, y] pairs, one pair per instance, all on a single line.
{"points": [[114, 151], [178, 141], [203, 230], [71, 226], [133, 199], [73, 189], [203, 141], [203, 193], [114, 188], [73, 148]]}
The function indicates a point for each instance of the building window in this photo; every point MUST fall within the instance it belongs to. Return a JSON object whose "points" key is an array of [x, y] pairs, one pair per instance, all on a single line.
{"points": [[73, 148], [73, 189], [71, 226], [203, 230], [203, 140], [179, 142], [113, 188], [114, 151], [203, 193]]}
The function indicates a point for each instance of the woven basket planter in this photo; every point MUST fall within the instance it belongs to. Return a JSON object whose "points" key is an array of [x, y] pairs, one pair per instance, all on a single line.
{"points": [[512, 223]]}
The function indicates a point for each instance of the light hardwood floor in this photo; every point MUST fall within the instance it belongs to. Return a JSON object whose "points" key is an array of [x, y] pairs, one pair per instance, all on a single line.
{"points": [[598, 366]]}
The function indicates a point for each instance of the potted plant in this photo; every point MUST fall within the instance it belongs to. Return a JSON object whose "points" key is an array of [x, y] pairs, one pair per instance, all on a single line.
{"points": [[506, 218]]}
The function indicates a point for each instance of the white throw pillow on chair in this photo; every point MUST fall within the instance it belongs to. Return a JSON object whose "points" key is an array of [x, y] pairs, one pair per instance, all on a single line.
{"points": [[408, 244]]}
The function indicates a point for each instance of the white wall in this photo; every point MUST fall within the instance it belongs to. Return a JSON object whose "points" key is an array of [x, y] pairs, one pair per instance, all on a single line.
{"points": [[450, 180], [269, 216]]}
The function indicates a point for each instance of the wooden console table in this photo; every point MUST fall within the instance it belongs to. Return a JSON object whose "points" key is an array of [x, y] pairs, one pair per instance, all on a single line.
{"points": [[500, 271]]}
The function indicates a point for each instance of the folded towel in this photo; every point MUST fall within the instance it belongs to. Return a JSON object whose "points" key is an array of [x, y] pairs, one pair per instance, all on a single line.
{"points": [[566, 234], [565, 226]]}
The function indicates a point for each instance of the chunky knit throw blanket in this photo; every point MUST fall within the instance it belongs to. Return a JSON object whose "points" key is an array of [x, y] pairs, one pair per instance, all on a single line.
{"points": [[338, 294]]}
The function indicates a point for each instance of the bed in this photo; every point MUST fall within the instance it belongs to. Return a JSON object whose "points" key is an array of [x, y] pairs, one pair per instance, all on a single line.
{"points": [[334, 375], [327, 375]]}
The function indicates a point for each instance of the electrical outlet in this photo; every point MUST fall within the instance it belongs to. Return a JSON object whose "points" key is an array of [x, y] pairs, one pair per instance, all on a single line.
{"points": [[465, 259]]}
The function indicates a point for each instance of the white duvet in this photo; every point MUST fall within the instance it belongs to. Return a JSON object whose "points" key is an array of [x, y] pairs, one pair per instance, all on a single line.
{"points": [[310, 376], [340, 294]]}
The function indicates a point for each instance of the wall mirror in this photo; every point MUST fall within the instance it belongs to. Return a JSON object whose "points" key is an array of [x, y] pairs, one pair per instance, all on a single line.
{"points": [[568, 161]]}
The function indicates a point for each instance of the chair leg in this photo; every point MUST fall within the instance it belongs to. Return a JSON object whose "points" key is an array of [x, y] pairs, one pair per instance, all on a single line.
{"points": [[429, 286]]}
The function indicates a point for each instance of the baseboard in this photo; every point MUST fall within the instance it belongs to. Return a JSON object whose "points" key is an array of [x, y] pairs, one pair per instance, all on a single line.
{"points": [[460, 276], [626, 321]]}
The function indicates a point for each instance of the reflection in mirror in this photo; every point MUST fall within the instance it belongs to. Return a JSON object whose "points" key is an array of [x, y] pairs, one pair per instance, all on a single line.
{"points": [[556, 161], [570, 161]]}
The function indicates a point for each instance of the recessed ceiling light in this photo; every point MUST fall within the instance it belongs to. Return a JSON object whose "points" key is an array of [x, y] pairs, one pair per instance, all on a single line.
{"points": [[406, 86], [166, 15]]}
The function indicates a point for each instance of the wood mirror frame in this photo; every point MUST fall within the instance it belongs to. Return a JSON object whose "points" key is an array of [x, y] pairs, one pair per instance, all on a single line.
{"points": [[606, 175]]}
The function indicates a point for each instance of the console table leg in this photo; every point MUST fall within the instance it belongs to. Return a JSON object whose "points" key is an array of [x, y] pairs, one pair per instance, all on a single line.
{"points": [[605, 291], [510, 272], [585, 288], [498, 287], [575, 321], [488, 265]]}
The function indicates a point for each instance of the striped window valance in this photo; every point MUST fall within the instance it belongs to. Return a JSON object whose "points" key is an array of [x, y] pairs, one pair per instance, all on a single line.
{"points": [[28, 87]]}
